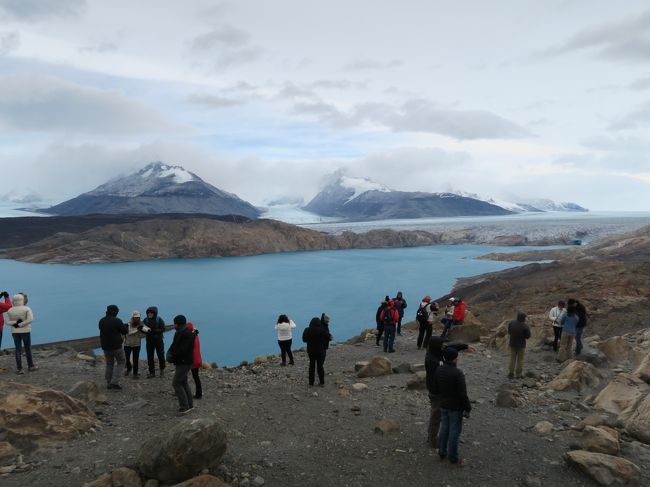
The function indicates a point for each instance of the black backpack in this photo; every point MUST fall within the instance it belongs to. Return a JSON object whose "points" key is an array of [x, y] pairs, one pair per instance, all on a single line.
{"points": [[387, 317], [422, 315]]}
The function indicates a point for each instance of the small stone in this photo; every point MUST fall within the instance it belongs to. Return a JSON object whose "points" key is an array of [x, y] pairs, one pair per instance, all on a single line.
{"points": [[359, 387], [543, 428], [258, 481], [386, 426], [532, 482]]}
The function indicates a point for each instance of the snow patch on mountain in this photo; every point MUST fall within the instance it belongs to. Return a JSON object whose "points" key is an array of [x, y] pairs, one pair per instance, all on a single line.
{"points": [[360, 186]]}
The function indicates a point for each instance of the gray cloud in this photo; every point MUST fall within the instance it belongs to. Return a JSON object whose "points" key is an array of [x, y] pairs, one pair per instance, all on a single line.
{"points": [[9, 41], [338, 84], [100, 48], [46, 104], [213, 101], [225, 46], [291, 91], [636, 118], [34, 10], [640, 84], [371, 64], [419, 115]]}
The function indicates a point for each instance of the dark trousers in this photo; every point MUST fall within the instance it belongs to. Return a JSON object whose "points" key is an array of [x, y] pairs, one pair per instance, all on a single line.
{"points": [[424, 334], [136, 359], [399, 325], [451, 426], [197, 384], [434, 420], [380, 332], [557, 332], [579, 332], [21, 339], [316, 361], [182, 387], [285, 349], [389, 338], [155, 343]]}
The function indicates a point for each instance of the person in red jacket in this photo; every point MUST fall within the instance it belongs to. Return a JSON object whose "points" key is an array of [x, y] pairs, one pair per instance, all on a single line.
{"points": [[459, 312], [389, 316], [198, 362], [4, 306]]}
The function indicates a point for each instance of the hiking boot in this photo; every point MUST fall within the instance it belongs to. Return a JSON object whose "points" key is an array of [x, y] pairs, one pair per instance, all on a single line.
{"points": [[136, 376], [442, 456], [197, 397], [459, 463], [115, 386], [32, 368], [182, 411], [511, 376], [126, 373], [292, 363], [20, 372], [283, 364]]}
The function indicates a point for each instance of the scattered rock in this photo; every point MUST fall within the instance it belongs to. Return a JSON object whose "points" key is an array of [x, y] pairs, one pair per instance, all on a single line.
{"points": [[126, 477], [89, 392], [343, 392], [600, 440], [87, 358], [508, 396], [620, 393], [386, 426], [418, 381], [638, 425], [417, 368], [604, 469], [543, 428], [532, 482], [591, 420], [8, 453], [402, 369], [360, 365], [203, 480], [593, 356], [576, 376], [258, 481], [643, 370], [376, 367], [262, 359], [183, 451], [102, 481], [359, 387]]}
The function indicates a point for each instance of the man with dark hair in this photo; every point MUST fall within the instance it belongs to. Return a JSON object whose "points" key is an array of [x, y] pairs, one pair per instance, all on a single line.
{"points": [[581, 311], [154, 329], [181, 354], [519, 332], [449, 385], [316, 338], [111, 331]]}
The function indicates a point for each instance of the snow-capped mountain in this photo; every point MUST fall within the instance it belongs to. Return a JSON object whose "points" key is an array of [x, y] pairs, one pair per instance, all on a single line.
{"points": [[363, 199], [527, 205], [157, 188]]}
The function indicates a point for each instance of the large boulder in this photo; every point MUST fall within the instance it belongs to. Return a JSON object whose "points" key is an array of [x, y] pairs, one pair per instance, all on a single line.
{"points": [[619, 349], [34, 416], [125, 477], [89, 392], [386, 426], [638, 425], [204, 480], [509, 396], [600, 440], [604, 469], [183, 451], [376, 367], [575, 376], [8, 453], [465, 333], [620, 393], [418, 381], [643, 370]]}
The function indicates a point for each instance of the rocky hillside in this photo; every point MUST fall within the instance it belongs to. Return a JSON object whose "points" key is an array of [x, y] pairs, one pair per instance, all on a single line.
{"points": [[581, 423]]}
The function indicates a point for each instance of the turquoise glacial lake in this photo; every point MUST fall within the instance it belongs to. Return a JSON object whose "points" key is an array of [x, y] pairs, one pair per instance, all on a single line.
{"points": [[235, 301]]}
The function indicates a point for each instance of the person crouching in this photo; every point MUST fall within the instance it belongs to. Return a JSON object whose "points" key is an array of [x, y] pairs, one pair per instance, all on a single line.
{"points": [[181, 354]]}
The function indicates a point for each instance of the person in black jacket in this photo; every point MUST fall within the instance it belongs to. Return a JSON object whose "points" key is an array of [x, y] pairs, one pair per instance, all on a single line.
{"points": [[181, 354], [111, 331], [378, 320], [316, 337], [399, 303], [519, 332], [581, 311], [155, 327], [449, 384], [325, 323], [431, 363]]}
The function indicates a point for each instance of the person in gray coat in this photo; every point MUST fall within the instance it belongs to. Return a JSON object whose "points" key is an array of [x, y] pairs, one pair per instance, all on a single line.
{"points": [[519, 332]]}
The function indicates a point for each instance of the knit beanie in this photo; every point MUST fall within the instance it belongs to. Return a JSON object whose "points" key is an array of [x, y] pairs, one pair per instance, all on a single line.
{"points": [[450, 354], [180, 320]]}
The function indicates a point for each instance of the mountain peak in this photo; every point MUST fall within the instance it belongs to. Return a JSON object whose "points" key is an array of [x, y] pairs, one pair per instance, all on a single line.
{"points": [[159, 169]]}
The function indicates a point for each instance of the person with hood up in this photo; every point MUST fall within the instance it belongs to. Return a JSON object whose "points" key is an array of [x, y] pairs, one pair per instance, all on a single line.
{"points": [[399, 304], [198, 362], [283, 326], [111, 331], [380, 324], [5, 304], [181, 354], [325, 323], [426, 314], [20, 318], [519, 332], [316, 337], [154, 329], [389, 317], [133, 343], [449, 384], [432, 361]]}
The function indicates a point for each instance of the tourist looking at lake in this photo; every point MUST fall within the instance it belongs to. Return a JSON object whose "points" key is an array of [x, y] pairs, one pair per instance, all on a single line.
{"points": [[569, 322], [20, 318], [283, 326], [400, 305], [425, 315], [316, 337], [198, 362], [380, 324], [389, 318], [111, 331], [519, 332], [555, 315], [432, 361], [181, 354], [325, 323], [581, 311], [133, 343], [5, 304], [154, 329], [449, 384]]}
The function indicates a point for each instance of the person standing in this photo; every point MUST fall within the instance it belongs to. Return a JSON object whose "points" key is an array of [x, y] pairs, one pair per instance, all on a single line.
{"points": [[424, 317], [198, 362], [111, 331], [459, 312], [555, 315], [133, 343], [316, 337], [20, 317], [431, 363], [380, 324], [569, 322], [448, 320], [5, 304], [154, 329], [389, 318], [449, 384], [284, 326], [400, 305], [325, 323], [581, 311], [181, 354], [519, 332]]}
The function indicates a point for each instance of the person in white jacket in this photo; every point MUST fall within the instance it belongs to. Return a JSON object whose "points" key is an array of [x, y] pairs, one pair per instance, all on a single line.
{"points": [[20, 318], [284, 327], [555, 315]]}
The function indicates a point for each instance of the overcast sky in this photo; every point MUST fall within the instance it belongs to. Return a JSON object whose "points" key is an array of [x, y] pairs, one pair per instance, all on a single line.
{"points": [[504, 98]]}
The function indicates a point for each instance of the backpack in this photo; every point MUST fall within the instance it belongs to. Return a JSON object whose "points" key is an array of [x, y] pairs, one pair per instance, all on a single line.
{"points": [[422, 315], [387, 317]]}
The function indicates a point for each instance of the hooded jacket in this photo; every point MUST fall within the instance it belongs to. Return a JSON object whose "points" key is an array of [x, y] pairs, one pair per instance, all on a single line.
{"points": [[111, 330], [4, 307], [198, 360], [316, 337], [432, 361], [20, 312], [156, 324], [449, 384], [181, 351], [400, 304], [325, 323], [459, 311], [581, 311], [519, 331]]}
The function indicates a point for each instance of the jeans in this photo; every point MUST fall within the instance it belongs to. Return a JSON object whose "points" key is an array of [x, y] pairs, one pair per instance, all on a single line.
{"points": [[316, 361], [425, 334], [136, 359], [113, 372], [434, 420], [579, 332], [197, 384], [557, 332], [182, 387], [448, 323], [285, 349], [451, 426], [516, 361], [389, 338], [21, 339], [155, 343]]}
